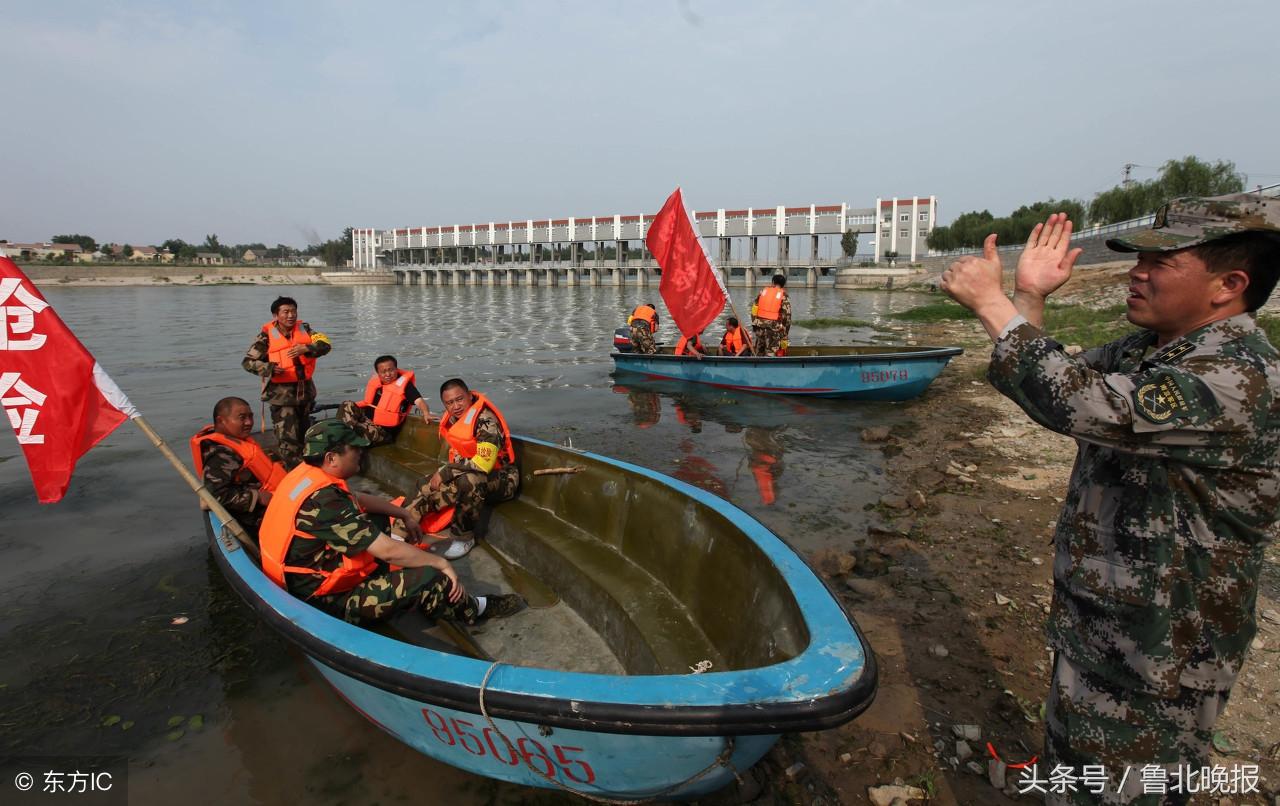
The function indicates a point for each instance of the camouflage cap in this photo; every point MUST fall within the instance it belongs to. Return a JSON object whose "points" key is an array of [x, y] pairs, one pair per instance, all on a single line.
{"points": [[326, 435], [1191, 221]]}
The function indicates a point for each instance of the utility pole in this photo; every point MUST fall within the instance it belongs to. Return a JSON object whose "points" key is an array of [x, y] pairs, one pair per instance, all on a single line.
{"points": [[1128, 169]]}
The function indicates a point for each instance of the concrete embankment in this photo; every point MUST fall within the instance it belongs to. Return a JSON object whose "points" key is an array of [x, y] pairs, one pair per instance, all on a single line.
{"points": [[153, 274]]}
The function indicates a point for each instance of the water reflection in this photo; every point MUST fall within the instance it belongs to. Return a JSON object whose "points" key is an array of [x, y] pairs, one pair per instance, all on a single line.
{"points": [[759, 423], [90, 585]]}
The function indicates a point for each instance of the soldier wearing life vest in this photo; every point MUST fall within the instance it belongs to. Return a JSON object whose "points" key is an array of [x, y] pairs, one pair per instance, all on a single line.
{"points": [[691, 346], [771, 317], [284, 355], [388, 396], [480, 469], [328, 545], [644, 326], [233, 466], [734, 340]]}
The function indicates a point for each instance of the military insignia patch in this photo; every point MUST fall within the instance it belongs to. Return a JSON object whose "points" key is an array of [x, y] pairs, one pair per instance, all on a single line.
{"points": [[1160, 400], [1173, 353]]}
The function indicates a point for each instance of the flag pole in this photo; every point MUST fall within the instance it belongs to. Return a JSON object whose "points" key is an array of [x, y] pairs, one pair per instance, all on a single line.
{"points": [[745, 332], [206, 497]]}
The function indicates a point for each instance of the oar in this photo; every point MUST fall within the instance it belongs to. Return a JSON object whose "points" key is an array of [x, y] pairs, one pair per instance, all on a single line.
{"points": [[536, 593], [460, 636]]}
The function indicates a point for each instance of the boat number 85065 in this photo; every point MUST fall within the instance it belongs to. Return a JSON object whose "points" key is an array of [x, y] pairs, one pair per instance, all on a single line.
{"points": [[454, 732]]}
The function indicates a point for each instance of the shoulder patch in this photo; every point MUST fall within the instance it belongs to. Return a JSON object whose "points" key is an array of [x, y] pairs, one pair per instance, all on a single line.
{"points": [[1160, 399]]}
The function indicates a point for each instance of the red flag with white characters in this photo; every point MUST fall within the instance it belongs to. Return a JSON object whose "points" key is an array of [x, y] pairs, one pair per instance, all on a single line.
{"points": [[691, 287], [59, 401]]}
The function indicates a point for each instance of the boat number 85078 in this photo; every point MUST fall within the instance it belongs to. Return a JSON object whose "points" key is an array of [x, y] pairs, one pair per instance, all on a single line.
{"points": [[454, 732]]}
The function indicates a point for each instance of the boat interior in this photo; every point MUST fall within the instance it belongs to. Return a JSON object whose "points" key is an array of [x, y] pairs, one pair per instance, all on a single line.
{"points": [[632, 576]]}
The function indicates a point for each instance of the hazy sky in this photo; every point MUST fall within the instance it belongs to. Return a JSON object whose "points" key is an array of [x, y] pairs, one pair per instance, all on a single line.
{"points": [[281, 122]]}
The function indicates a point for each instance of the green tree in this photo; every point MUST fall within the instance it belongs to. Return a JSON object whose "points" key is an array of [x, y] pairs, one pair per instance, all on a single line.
{"points": [[183, 252], [971, 229], [211, 244], [86, 243], [127, 251], [849, 243], [335, 252], [1189, 176]]}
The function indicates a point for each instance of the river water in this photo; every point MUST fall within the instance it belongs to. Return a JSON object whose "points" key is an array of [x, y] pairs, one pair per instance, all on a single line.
{"points": [[91, 661]]}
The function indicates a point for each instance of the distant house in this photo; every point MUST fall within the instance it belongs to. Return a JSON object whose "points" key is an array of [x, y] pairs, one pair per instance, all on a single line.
{"points": [[314, 261], [41, 251], [253, 256], [209, 259]]}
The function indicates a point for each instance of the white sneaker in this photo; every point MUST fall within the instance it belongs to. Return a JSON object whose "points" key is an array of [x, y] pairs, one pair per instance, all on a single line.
{"points": [[459, 548]]}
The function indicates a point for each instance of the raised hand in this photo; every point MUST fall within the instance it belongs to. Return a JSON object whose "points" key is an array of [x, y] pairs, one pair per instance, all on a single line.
{"points": [[977, 284], [1046, 262], [972, 280]]}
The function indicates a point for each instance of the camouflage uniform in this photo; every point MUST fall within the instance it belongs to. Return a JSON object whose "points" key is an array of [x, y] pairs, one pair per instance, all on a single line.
{"points": [[234, 486], [1175, 491], [769, 333], [291, 403], [466, 486], [641, 338], [340, 528]]}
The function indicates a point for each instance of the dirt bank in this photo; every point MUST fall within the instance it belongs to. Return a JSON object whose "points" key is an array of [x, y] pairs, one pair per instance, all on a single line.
{"points": [[952, 590]]}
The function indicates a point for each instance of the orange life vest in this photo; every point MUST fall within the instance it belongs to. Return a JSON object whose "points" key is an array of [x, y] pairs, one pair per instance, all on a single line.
{"points": [[461, 436], [733, 341], [255, 459], [386, 412], [277, 347], [769, 303], [684, 342], [280, 527], [647, 314]]}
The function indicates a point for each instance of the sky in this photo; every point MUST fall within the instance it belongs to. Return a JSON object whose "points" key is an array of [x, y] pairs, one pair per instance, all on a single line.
{"points": [[284, 122]]}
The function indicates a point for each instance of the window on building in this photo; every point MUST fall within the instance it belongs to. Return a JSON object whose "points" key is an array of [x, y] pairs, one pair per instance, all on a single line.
{"points": [[924, 216], [904, 233], [888, 216], [905, 217], [884, 233]]}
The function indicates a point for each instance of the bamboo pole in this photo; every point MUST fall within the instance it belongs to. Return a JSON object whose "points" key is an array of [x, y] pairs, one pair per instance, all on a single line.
{"points": [[200, 490], [745, 331]]}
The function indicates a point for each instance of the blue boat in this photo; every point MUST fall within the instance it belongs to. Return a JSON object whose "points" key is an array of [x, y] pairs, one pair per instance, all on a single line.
{"points": [[687, 637], [853, 372]]}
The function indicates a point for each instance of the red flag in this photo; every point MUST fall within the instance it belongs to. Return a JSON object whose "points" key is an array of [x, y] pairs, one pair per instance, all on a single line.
{"points": [[59, 401], [690, 285]]}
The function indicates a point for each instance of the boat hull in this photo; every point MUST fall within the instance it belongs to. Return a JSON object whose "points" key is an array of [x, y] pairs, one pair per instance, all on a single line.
{"points": [[624, 736], [893, 375], [601, 764]]}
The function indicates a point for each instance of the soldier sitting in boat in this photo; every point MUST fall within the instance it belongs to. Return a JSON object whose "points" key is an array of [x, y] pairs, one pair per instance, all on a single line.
{"points": [[388, 396], [233, 466], [329, 545], [644, 326], [481, 467], [734, 340], [691, 346]]}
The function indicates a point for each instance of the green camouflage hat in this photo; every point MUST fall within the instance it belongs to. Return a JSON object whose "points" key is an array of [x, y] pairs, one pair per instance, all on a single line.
{"points": [[326, 435], [1190, 221]]}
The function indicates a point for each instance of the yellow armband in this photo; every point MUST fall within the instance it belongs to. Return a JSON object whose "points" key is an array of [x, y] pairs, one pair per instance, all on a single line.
{"points": [[754, 307], [318, 336], [486, 456]]}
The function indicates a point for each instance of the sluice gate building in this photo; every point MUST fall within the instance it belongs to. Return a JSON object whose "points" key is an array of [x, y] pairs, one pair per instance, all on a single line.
{"points": [[745, 244]]}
